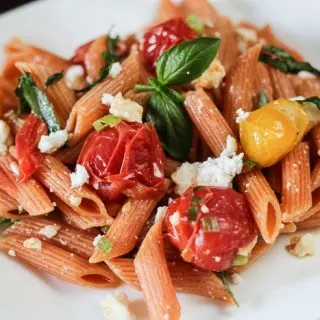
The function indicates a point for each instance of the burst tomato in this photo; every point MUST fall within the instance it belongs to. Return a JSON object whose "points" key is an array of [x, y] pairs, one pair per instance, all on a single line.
{"points": [[27, 140], [162, 37], [127, 159], [80, 53], [208, 225]]}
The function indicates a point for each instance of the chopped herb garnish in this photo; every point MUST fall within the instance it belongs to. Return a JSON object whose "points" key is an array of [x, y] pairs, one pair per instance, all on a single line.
{"points": [[104, 245], [110, 56], [6, 223], [210, 224], [284, 61], [227, 286], [195, 23], [53, 79], [250, 164], [106, 121], [262, 99], [240, 260], [192, 213]]}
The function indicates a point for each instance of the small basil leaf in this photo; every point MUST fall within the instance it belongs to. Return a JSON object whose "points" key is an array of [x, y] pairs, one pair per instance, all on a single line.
{"points": [[172, 124], [262, 99], [106, 121], [195, 23], [250, 164], [53, 79], [186, 61], [315, 100], [285, 62]]}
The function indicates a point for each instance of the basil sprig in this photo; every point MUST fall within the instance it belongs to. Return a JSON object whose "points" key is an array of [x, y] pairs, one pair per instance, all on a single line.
{"points": [[110, 56], [179, 65], [53, 79], [32, 98], [284, 61]]}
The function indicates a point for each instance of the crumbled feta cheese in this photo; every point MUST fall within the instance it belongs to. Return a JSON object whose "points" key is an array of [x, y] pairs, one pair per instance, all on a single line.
{"points": [[161, 214], [11, 253], [79, 177], [20, 209], [96, 185], [6, 139], [231, 147], [75, 201], [116, 307], [306, 75], [89, 79], [204, 209], [73, 75], [96, 240], [301, 246], [52, 142], [217, 259], [246, 38], [156, 171], [212, 77], [246, 251], [33, 243], [297, 98], [50, 231], [115, 69], [175, 218], [126, 109], [241, 115], [107, 98], [185, 176], [236, 278], [14, 168]]}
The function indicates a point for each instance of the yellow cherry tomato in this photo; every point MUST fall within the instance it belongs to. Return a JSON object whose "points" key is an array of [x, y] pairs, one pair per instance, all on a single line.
{"points": [[272, 131]]}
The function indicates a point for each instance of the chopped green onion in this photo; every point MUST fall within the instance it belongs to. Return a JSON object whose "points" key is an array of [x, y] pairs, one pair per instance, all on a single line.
{"points": [[262, 99], [210, 224], [250, 163], [104, 245], [240, 260], [106, 121], [195, 23]]}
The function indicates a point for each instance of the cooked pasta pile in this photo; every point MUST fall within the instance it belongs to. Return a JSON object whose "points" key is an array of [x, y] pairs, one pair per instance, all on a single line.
{"points": [[170, 163]]}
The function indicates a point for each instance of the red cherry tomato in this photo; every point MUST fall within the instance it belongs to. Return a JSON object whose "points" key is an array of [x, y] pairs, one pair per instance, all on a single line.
{"points": [[162, 37], [127, 159], [208, 225], [78, 57], [27, 140]]}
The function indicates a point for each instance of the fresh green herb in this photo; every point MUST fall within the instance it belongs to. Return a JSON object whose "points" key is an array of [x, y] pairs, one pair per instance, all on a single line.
{"points": [[110, 56], [285, 62], [192, 213], [315, 100], [31, 97], [179, 65], [106, 121], [195, 201], [6, 223], [225, 282], [104, 245], [53, 79], [210, 224], [195, 23], [250, 164], [240, 260], [262, 99]]}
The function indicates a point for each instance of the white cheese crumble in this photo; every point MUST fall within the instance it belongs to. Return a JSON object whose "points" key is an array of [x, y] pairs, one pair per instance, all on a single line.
{"points": [[241, 115], [161, 214], [175, 218], [116, 307], [214, 172], [96, 240], [52, 142], [6, 139], [50, 231], [75, 201], [301, 246], [115, 69], [212, 77], [14, 168], [297, 98], [74, 73], [11, 253], [246, 38], [107, 98], [204, 209], [236, 278], [33, 243], [79, 177], [306, 75], [156, 171]]}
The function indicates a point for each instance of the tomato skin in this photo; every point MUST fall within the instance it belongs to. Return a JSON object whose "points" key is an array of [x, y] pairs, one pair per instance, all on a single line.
{"points": [[161, 38], [121, 160], [27, 139], [80, 53], [211, 250]]}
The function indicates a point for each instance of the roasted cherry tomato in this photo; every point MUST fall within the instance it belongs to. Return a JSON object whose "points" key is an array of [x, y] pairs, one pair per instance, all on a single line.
{"points": [[272, 131], [27, 140], [162, 37], [126, 159], [208, 225], [80, 53]]}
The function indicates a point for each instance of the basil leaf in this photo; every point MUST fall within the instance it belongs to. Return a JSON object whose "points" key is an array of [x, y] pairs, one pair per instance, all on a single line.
{"points": [[106, 121], [315, 100], [227, 286], [250, 163], [262, 99], [53, 79], [195, 23], [32, 97], [172, 124], [285, 62], [186, 61], [104, 245], [5, 222]]}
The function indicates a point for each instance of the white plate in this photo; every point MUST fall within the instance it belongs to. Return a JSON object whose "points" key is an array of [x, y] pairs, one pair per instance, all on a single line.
{"points": [[278, 287]]}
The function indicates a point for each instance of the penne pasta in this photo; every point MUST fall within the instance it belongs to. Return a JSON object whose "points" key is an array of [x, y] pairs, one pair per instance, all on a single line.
{"points": [[311, 222], [154, 277], [60, 263], [123, 233], [170, 166], [69, 155], [8, 204], [281, 84], [89, 108], [296, 186], [239, 84], [288, 228], [262, 81], [274, 177], [201, 8], [315, 176], [142, 97]]}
